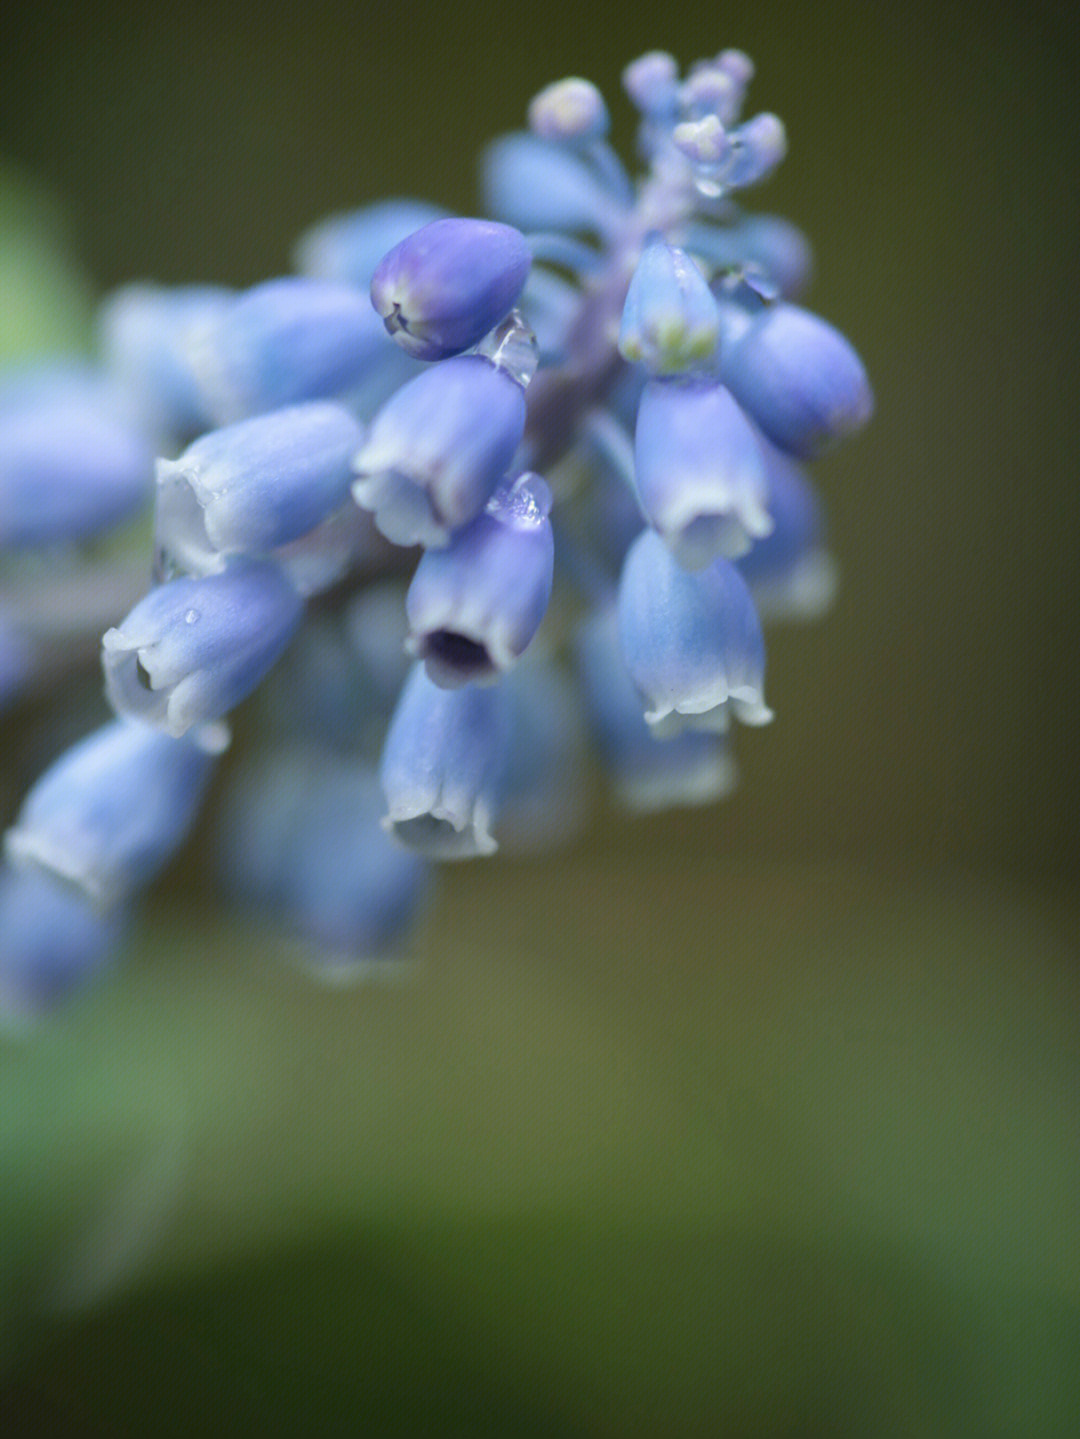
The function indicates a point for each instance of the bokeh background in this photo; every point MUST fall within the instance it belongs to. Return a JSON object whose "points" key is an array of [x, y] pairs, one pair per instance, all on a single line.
{"points": [[760, 1121]]}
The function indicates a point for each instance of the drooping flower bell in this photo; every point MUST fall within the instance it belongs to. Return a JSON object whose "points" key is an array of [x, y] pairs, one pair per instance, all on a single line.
{"points": [[699, 470], [55, 944], [284, 342], [443, 765], [146, 333], [254, 486], [438, 448], [193, 648], [303, 840], [474, 606], [692, 642]]}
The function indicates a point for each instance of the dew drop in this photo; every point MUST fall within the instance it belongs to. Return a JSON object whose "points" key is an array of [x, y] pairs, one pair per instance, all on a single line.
{"points": [[192, 617], [512, 348]]}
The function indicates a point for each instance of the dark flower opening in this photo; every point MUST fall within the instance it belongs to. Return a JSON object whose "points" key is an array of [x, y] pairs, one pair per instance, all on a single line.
{"points": [[455, 656]]}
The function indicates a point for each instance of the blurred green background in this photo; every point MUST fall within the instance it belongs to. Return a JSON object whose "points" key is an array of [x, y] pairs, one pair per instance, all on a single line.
{"points": [[762, 1121]]}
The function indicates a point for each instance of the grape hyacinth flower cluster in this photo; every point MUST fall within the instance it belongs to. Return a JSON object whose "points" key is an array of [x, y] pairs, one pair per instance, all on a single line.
{"points": [[428, 515]]}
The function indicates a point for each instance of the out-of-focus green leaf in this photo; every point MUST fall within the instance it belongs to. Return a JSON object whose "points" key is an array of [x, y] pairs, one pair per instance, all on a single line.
{"points": [[643, 1149], [47, 299]]}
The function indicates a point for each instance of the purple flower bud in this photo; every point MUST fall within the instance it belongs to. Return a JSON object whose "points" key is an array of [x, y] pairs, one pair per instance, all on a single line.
{"points": [[699, 472], [757, 147], [692, 642], [474, 606], [254, 486], [113, 809], [569, 110], [799, 379], [192, 649], [54, 944], [711, 90], [443, 765], [441, 290], [652, 83], [738, 65], [669, 320], [438, 448]]}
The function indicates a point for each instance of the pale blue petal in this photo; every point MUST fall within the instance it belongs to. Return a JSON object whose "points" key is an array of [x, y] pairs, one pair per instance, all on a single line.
{"points": [[438, 448], [799, 379], [699, 471], [692, 642], [443, 765], [255, 485], [192, 649], [475, 605]]}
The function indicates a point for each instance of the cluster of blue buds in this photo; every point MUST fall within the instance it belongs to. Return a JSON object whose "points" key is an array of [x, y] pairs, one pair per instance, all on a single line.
{"points": [[454, 499]]}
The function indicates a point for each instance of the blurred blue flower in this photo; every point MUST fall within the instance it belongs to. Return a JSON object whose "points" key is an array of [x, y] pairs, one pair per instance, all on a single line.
{"points": [[111, 810], [55, 944]]}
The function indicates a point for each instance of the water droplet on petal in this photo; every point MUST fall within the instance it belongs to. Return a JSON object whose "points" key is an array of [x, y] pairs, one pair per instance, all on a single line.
{"points": [[512, 348], [192, 617]]}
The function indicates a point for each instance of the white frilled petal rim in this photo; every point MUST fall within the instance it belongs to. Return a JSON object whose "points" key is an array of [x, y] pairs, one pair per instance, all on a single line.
{"points": [[710, 712], [441, 832], [401, 508]]}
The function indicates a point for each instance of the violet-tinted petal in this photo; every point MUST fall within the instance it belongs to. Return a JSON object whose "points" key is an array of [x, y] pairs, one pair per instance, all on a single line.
{"points": [[443, 288]]}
